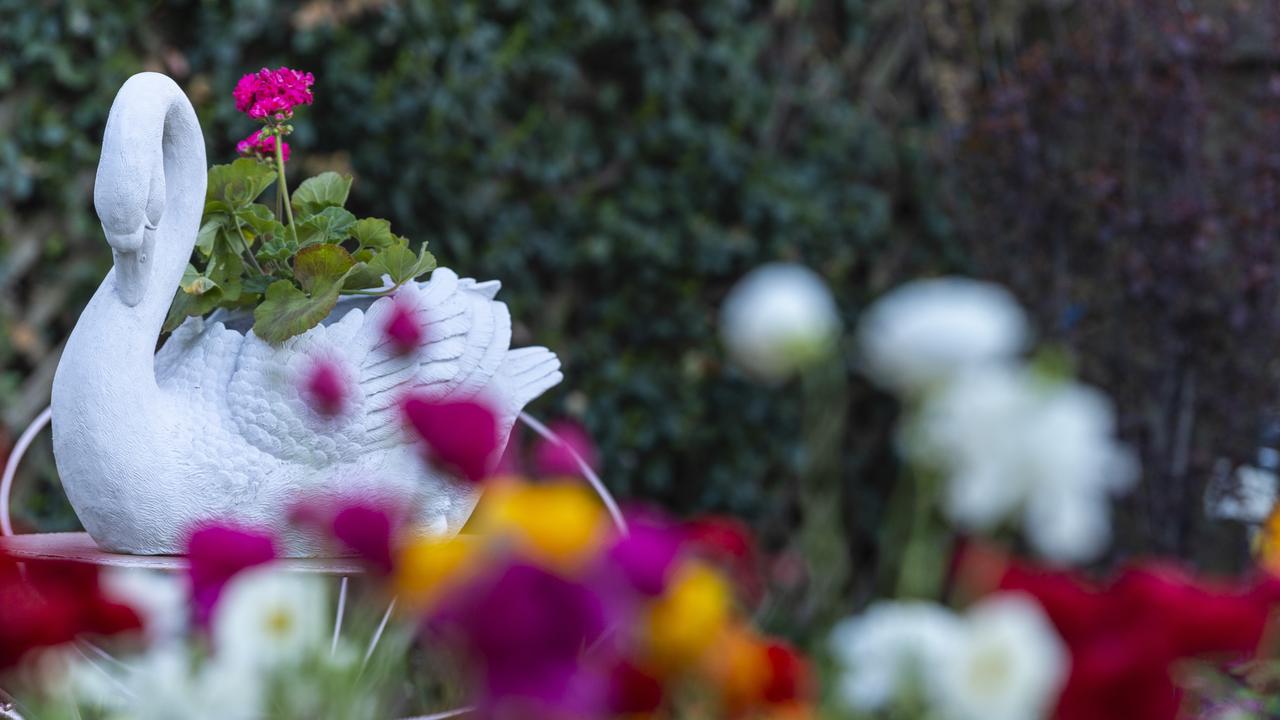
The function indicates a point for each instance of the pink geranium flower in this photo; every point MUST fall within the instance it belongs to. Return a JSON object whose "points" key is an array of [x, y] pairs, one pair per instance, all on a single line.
{"points": [[273, 93], [260, 145], [216, 554], [462, 435]]}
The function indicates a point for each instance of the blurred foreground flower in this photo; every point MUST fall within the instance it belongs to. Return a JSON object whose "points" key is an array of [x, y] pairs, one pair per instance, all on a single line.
{"points": [[778, 319], [54, 602], [928, 330], [1002, 660], [1011, 441], [461, 435], [1127, 636]]}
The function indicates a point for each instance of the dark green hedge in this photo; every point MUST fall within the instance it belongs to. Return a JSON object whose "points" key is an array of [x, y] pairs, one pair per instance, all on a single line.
{"points": [[616, 164]]}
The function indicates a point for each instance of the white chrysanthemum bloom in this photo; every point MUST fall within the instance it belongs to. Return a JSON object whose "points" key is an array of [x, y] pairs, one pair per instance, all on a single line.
{"points": [[778, 319], [925, 331], [890, 648], [266, 619], [159, 598], [1009, 663], [1012, 441]]}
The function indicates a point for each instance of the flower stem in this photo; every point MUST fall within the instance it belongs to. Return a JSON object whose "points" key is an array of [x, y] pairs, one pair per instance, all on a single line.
{"points": [[248, 251], [284, 189]]}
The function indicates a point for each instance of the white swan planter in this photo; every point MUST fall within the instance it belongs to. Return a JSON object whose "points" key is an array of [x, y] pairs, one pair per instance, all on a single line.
{"points": [[212, 427]]}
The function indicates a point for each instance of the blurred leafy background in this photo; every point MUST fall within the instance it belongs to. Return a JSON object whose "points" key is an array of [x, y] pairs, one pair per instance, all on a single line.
{"points": [[618, 164]]}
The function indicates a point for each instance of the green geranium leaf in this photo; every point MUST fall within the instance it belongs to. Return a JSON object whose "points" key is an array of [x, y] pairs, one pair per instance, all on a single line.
{"points": [[330, 225], [328, 189], [278, 248], [373, 233], [321, 264], [254, 285], [238, 183], [363, 277], [209, 233], [259, 223], [399, 262], [286, 311]]}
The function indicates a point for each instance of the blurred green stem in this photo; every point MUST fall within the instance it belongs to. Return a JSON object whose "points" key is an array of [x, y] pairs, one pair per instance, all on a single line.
{"points": [[922, 564], [284, 188], [822, 535]]}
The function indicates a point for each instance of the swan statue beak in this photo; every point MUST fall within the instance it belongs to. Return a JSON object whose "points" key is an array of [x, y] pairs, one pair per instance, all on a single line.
{"points": [[133, 266]]}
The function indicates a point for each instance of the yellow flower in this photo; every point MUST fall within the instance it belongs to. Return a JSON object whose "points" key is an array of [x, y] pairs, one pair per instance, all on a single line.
{"points": [[690, 618], [560, 523], [428, 565], [1267, 542]]}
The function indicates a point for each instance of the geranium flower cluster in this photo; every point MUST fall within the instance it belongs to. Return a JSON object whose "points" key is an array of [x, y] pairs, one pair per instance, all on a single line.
{"points": [[271, 95], [262, 145]]}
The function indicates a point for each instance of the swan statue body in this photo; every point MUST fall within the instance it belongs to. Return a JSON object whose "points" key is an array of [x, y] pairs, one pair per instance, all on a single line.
{"points": [[212, 427]]}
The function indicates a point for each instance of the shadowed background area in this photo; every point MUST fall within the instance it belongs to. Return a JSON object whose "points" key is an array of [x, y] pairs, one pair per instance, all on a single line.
{"points": [[619, 164]]}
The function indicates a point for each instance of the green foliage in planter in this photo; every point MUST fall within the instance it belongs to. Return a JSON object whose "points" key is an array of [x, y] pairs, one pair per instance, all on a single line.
{"points": [[290, 278]]}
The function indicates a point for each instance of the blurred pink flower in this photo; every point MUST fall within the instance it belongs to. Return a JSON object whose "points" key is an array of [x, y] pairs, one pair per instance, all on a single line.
{"points": [[525, 632], [261, 145], [459, 434], [273, 93], [403, 329], [367, 531], [324, 388], [552, 459], [647, 556], [216, 553]]}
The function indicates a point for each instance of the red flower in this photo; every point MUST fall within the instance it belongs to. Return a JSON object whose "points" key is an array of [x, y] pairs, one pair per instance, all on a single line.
{"points": [[729, 542], [54, 603], [632, 691], [216, 553], [260, 145], [460, 434], [1126, 636], [788, 679], [403, 329], [366, 530]]}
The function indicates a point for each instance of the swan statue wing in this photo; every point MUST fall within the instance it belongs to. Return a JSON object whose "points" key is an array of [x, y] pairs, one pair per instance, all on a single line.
{"points": [[258, 387]]}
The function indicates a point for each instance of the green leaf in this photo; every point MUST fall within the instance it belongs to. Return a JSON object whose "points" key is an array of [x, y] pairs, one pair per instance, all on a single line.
{"points": [[330, 225], [399, 262], [255, 285], [320, 264], [278, 248], [373, 233], [328, 189], [286, 311], [208, 233], [259, 223], [239, 183], [362, 277]]}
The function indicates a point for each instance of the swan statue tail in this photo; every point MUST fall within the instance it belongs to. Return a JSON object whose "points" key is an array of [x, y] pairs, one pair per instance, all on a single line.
{"points": [[526, 373]]}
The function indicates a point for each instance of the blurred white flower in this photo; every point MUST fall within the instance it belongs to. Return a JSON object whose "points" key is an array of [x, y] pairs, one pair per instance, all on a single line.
{"points": [[164, 684], [927, 330], [266, 619], [1249, 499], [777, 319], [1010, 440], [889, 649], [1009, 663], [1002, 660], [159, 598]]}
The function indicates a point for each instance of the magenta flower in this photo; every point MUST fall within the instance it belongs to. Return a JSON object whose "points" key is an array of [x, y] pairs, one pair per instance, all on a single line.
{"points": [[216, 553], [526, 633], [273, 93], [260, 145], [647, 557], [366, 530], [552, 459], [462, 435], [325, 389], [402, 328]]}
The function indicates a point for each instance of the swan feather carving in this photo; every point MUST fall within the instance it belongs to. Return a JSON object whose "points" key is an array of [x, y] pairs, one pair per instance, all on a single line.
{"points": [[213, 426]]}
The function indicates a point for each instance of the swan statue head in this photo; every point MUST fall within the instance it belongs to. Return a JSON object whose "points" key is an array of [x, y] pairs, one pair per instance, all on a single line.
{"points": [[212, 427]]}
